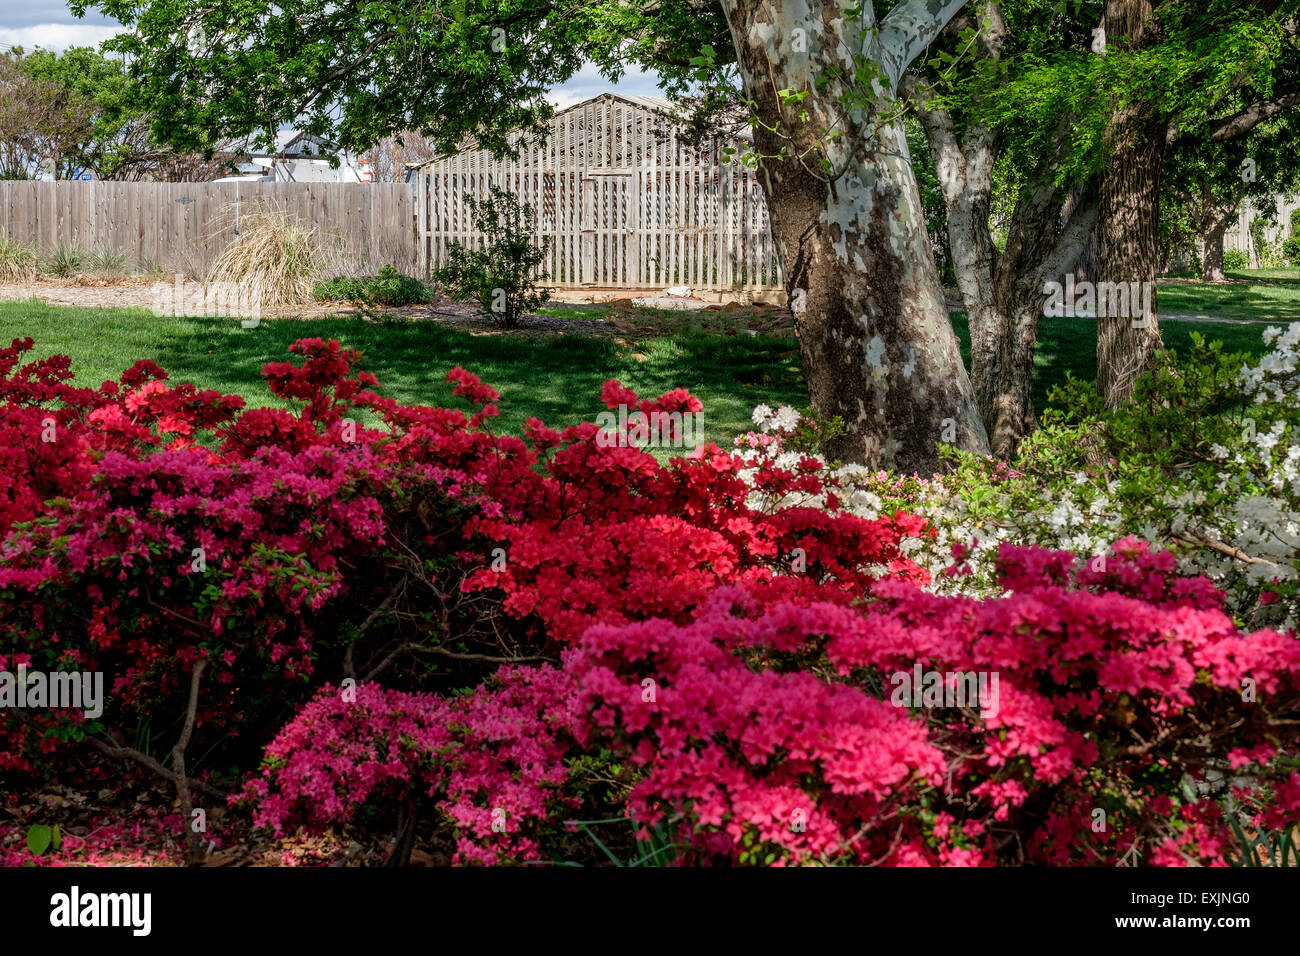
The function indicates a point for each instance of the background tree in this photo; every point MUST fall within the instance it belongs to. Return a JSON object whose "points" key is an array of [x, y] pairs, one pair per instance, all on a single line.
{"points": [[1177, 73], [1019, 205], [820, 78], [1153, 79], [389, 157], [44, 127], [77, 111], [1207, 184]]}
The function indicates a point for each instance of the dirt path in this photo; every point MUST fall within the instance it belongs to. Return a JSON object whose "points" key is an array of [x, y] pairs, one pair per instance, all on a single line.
{"points": [[92, 293]]}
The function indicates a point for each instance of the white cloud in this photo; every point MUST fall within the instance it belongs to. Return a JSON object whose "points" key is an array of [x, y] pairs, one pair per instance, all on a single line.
{"points": [[588, 82], [56, 36]]}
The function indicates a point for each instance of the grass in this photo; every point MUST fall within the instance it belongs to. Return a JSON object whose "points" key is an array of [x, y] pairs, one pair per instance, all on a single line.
{"points": [[64, 261], [556, 379], [18, 262], [1069, 345], [106, 261], [1268, 295]]}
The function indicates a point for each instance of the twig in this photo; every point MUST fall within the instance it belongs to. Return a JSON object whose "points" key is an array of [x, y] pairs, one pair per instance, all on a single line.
{"points": [[1225, 549], [178, 762], [128, 753]]}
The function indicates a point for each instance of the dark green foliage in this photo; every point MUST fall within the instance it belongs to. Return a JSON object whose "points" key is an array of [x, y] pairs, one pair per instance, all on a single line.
{"points": [[389, 288], [502, 276]]}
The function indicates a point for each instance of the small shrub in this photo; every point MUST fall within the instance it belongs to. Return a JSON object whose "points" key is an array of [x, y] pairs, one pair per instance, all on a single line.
{"points": [[149, 266], [339, 289], [276, 258], [106, 261], [389, 288], [65, 261], [1291, 250], [17, 261], [502, 276], [1235, 259]]}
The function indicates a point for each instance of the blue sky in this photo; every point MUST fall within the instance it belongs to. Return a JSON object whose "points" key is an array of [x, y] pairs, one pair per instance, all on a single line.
{"points": [[49, 24]]}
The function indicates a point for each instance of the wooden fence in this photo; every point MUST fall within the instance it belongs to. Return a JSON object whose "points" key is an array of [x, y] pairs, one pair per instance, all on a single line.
{"points": [[185, 226], [1238, 235], [623, 198]]}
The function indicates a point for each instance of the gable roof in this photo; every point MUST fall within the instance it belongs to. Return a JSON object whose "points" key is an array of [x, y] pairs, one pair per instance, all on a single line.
{"points": [[288, 142], [669, 109]]}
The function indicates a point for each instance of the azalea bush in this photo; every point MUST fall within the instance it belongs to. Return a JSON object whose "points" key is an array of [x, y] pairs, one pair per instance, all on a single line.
{"points": [[1132, 723], [352, 612], [354, 749], [773, 735], [219, 563], [1205, 461]]}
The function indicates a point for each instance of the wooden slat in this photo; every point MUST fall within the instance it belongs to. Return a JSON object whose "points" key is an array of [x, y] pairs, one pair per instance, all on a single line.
{"points": [[149, 220], [620, 205]]}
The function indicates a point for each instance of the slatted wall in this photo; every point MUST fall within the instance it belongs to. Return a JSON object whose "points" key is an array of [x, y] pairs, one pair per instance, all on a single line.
{"points": [[624, 201], [187, 225]]}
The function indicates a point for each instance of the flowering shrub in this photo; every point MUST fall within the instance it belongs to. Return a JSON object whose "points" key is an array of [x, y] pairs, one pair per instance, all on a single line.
{"points": [[1204, 461], [161, 557], [489, 762], [571, 560], [311, 592], [772, 735], [173, 539]]}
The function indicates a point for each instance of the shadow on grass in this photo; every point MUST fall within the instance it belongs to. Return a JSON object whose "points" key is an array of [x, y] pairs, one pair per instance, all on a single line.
{"points": [[556, 379], [1068, 345]]}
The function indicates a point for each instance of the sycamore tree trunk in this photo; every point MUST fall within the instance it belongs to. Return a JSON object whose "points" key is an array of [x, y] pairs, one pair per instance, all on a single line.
{"points": [[877, 345], [1128, 254], [1047, 234], [1004, 292], [1212, 253]]}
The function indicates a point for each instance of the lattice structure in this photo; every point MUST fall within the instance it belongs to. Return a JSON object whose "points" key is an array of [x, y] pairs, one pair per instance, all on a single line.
{"points": [[627, 203]]}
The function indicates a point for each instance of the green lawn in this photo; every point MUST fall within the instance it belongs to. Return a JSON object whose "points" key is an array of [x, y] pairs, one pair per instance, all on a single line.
{"points": [[1069, 345], [1271, 295], [557, 379]]}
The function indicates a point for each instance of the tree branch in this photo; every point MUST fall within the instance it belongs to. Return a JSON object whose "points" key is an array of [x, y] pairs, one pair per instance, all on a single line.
{"points": [[1238, 124], [908, 29], [192, 840]]}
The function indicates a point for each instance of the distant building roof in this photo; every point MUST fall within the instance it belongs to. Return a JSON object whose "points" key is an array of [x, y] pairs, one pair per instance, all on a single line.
{"points": [[288, 142], [660, 104]]}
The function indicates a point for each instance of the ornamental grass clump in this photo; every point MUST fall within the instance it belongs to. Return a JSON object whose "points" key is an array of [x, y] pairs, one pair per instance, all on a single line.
{"points": [[274, 258], [17, 261]]}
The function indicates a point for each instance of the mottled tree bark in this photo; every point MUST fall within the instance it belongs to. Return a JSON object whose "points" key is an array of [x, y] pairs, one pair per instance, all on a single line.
{"points": [[1128, 240], [877, 345], [1003, 291]]}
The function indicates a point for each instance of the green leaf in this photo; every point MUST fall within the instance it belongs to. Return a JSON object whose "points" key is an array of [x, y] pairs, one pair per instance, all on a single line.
{"points": [[39, 838]]}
